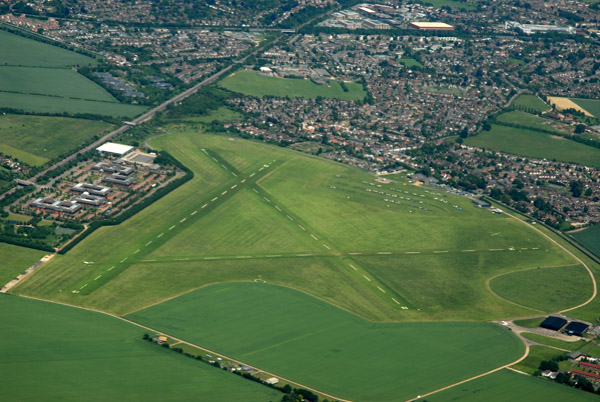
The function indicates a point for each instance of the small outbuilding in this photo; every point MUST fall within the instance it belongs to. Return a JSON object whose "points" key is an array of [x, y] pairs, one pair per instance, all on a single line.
{"points": [[553, 323]]}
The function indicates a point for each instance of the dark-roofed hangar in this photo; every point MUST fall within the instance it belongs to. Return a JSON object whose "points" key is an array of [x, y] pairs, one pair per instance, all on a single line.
{"points": [[576, 328], [553, 323]]}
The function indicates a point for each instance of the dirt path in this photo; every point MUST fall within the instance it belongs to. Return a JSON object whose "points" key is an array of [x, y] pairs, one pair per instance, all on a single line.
{"points": [[180, 341]]}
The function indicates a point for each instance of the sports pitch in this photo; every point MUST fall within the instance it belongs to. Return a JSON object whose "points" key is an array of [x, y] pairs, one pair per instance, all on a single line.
{"points": [[314, 343], [37, 139], [53, 352], [251, 83]]}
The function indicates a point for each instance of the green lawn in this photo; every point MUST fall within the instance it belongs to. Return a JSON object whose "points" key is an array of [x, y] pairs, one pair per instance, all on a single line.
{"points": [[15, 260], [589, 238], [410, 62], [36, 139], [251, 83], [557, 343], [526, 119], [16, 50], [301, 222], [530, 322], [536, 145], [536, 354], [332, 350], [56, 82], [556, 288], [506, 385], [464, 5], [591, 105], [58, 353], [222, 114], [51, 104], [531, 102]]}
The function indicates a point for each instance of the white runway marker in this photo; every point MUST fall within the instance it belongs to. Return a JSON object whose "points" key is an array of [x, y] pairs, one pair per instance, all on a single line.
{"points": [[326, 246], [211, 258], [364, 276], [467, 251], [234, 186], [252, 174], [149, 260], [98, 277], [83, 286], [235, 175], [214, 199], [194, 213], [303, 255], [182, 259], [172, 227], [314, 237], [395, 301], [160, 235], [273, 256], [203, 206], [277, 208], [290, 218], [224, 192], [445, 251], [204, 150], [301, 227], [384, 253], [255, 190], [224, 166], [413, 252], [243, 181], [354, 253], [353, 267], [111, 268], [383, 291], [123, 260], [268, 200], [495, 249], [149, 243], [136, 251], [244, 256]]}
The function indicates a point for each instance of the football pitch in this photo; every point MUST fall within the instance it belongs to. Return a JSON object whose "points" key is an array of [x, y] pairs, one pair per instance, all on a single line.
{"points": [[307, 340], [53, 352], [388, 252]]}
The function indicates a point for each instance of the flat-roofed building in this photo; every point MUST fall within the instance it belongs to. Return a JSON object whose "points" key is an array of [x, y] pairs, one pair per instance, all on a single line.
{"points": [[431, 26], [119, 179], [114, 149], [93, 189], [92, 200], [50, 204], [113, 168]]}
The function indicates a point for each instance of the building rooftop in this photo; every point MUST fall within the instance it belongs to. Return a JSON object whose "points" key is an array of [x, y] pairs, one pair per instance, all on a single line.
{"points": [[114, 148]]}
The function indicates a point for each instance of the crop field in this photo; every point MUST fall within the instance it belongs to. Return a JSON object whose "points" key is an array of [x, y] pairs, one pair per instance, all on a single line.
{"points": [[16, 50], [50, 104], [556, 287], [590, 105], [535, 144], [531, 102], [526, 119], [59, 82], [562, 103], [36, 139], [53, 352], [589, 238], [15, 260], [506, 385], [270, 326], [251, 83], [300, 221]]}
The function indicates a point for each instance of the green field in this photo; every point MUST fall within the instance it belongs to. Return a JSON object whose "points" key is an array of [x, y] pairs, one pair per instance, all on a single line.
{"points": [[222, 114], [506, 385], [526, 119], [530, 322], [531, 102], [536, 354], [16, 50], [547, 297], [50, 104], [302, 222], [536, 145], [332, 350], [410, 62], [36, 139], [557, 343], [15, 260], [57, 353], [251, 83], [450, 3], [589, 238], [591, 105]]}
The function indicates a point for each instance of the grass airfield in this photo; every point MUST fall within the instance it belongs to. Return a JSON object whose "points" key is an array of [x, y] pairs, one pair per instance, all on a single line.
{"points": [[384, 253]]}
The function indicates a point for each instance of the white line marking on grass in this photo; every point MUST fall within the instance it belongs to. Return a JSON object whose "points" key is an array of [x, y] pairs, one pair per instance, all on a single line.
{"points": [[149, 243], [383, 291], [413, 252], [495, 249], [224, 192], [354, 253], [303, 255], [234, 186], [235, 175], [203, 206], [268, 200], [525, 248], [83, 286], [326, 246], [243, 181], [204, 150], [260, 170], [110, 269], [136, 251], [467, 251], [244, 256], [314, 237], [181, 259], [214, 199], [149, 260], [211, 258], [252, 174], [395, 301], [224, 166], [535, 248], [123, 260], [273, 256], [384, 253], [160, 235], [364, 276], [255, 190], [301, 227], [445, 251], [98, 277], [353, 267], [194, 213], [290, 218], [215, 159], [172, 227], [277, 208]]}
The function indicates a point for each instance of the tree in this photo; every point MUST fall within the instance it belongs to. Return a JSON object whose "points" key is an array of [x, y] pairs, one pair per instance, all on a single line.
{"points": [[580, 128], [548, 365], [576, 188]]}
